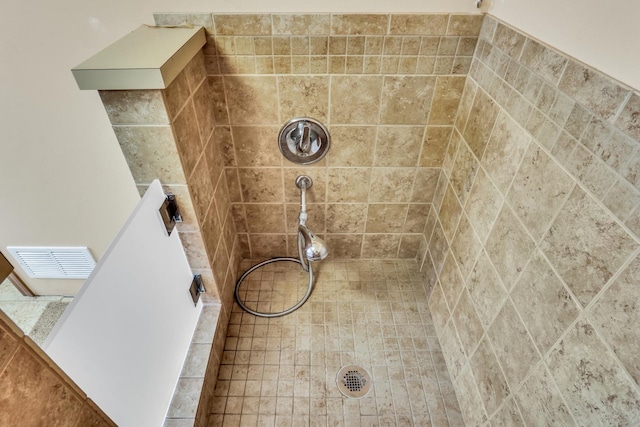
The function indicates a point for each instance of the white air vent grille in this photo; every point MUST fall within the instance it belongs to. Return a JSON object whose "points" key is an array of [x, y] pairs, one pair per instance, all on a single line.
{"points": [[54, 262]]}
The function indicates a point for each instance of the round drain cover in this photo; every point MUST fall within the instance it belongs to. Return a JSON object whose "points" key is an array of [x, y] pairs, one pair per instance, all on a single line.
{"points": [[353, 381]]}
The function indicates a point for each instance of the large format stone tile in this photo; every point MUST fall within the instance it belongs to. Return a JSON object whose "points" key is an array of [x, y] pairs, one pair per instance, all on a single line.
{"points": [[450, 212], [539, 190], [505, 149], [483, 204], [481, 120], [470, 400], [540, 402], [586, 245], [617, 316], [451, 280], [594, 385], [467, 323], [508, 415], [513, 347], [509, 246], [486, 289], [466, 246], [543, 302], [464, 172], [491, 383]]}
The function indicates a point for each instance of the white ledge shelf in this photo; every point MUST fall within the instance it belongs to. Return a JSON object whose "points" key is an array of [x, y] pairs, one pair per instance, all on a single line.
{"points": [[147, 58]]}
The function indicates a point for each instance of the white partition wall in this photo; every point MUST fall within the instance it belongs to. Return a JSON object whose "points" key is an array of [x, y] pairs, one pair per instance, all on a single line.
{"points": [[125, 336]]}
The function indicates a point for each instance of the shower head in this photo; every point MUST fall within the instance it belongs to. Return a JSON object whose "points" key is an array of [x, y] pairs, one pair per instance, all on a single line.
{"points": [[315, 249]]}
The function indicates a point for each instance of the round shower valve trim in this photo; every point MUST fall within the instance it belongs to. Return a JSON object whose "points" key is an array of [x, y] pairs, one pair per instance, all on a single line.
{"points": [[304, 140]]}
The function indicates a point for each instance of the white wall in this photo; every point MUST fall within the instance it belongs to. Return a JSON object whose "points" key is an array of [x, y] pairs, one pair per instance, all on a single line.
{"points": [[604, 35], [64, 179]]}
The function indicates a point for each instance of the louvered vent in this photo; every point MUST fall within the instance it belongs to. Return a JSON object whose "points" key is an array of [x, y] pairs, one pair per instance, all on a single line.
{"points": [[54, 262]]}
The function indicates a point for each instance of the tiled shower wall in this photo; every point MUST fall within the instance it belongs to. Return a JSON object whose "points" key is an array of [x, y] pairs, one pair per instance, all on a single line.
{"points": [[534, 236], [387, 87]]}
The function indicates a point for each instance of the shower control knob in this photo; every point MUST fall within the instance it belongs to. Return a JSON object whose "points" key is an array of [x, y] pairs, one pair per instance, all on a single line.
{"points": [[304, 140]]}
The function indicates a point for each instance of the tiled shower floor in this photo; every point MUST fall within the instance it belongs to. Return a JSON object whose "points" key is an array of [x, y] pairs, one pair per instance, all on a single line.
{"points": [[281, 371]]}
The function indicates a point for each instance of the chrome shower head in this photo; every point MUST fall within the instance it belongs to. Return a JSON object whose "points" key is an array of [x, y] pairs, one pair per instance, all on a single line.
{"points": [[315, 249]]}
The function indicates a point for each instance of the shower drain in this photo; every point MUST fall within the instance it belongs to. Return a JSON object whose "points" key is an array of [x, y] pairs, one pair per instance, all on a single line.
{"points": [[353, 381]]}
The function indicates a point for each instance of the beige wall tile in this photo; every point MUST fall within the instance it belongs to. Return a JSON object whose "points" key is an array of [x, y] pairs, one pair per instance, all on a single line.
{"points": [[464, 25], [348, 184], [391, 184], [151, 153], [481, 120], [134, 107], [346, 218], [255, 146], [629, 118], [463, 173], [304, 96], [406, 99], [509, 246], [451, 281], [539, 290], [540, 401], [261, 185], [353, 24], [492, 386], [195, 249], [398, 145], [409, 246], [466, 246], [483, 204], [187, 138], [616, 316], [425, 185], [450, 212], [539, 190], [586, 392], [292, 24], [470, 331], [446, 98], [486, 289], [362, 109], [352, 145], [428, 24], [201, 188], [505, 149], [544, 61], [267, 245], [254, 100], [345, 245], [386, 218], [510, 41], [245, 24], [594, 90], [434, 148], [378, 246], [265, 218], [470, 400], [603, 253], [513, 347]]}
